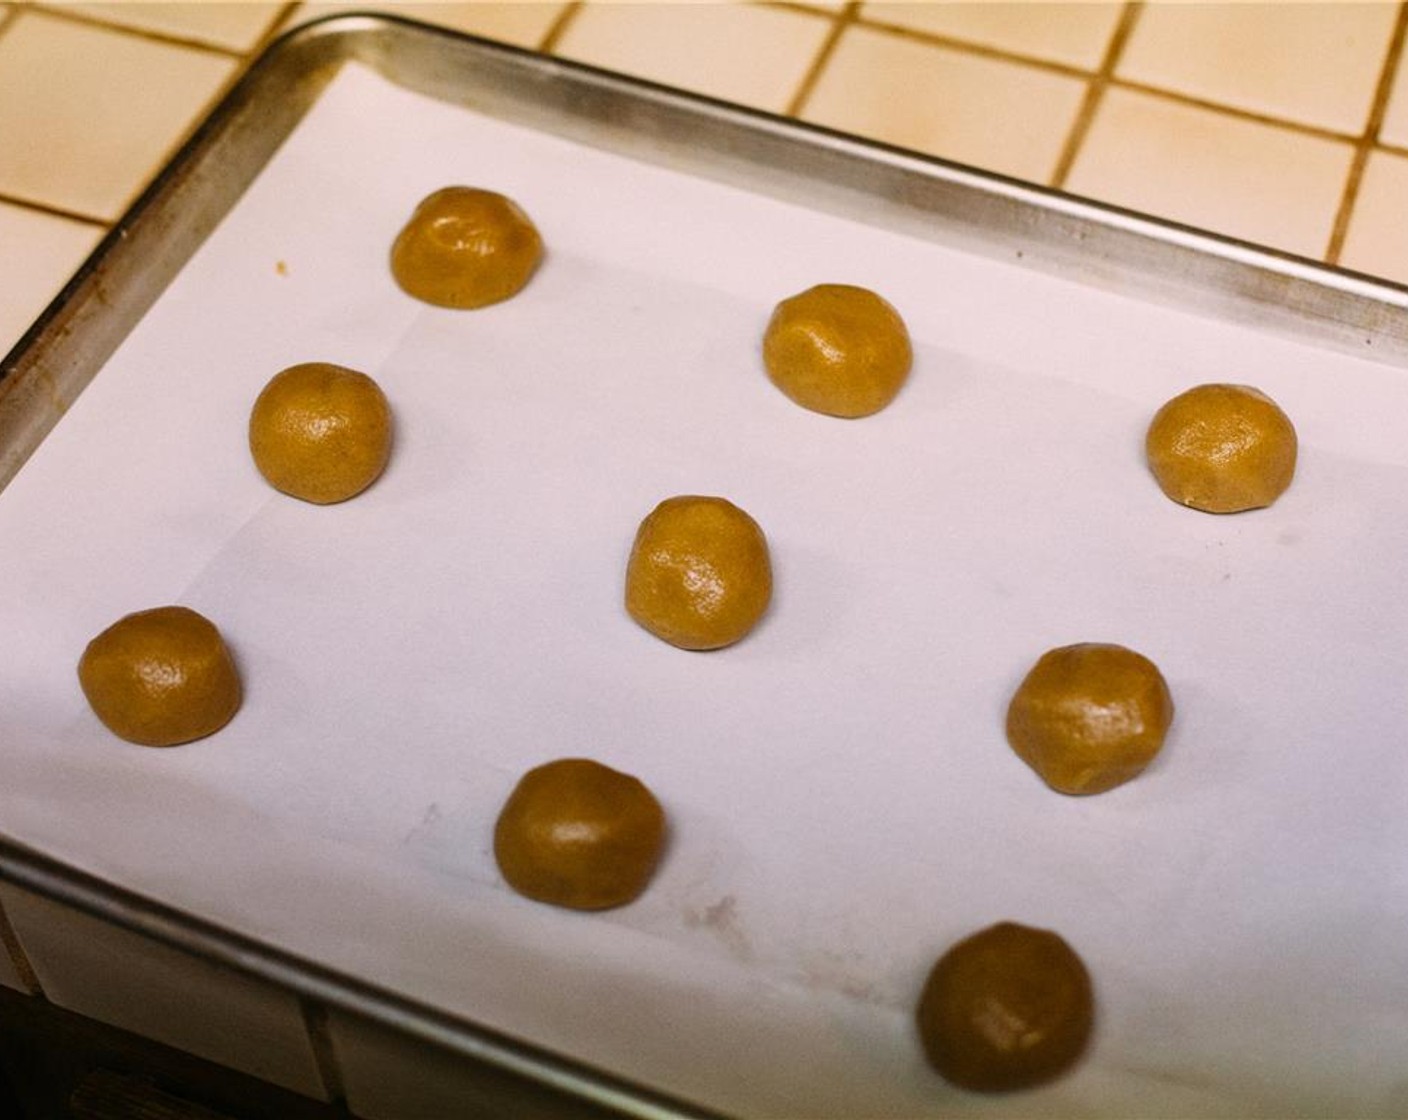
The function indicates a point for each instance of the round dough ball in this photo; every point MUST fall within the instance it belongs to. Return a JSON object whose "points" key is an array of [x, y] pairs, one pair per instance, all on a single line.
{"points": [[837, 349], [579, 834], [1222, 449], [699, 574], [1010, 1007], [320, 432], [161, 677], [466, 248], [1089, 717]]}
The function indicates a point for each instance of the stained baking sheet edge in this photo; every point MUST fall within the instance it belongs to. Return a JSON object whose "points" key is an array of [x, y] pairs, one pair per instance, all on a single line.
{"points": [[910, 194]]}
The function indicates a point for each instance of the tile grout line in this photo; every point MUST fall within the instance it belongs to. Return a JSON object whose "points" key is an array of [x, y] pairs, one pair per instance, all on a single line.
{"points": [[242, 61], [85, 20], [54, 211], [272, 30], [1383, 91], [315, 1023], [998, 54], [276, 27], [1285, 124], [10, 939], [965, 46], [558, 29], [1095, 94], [842, 20]]}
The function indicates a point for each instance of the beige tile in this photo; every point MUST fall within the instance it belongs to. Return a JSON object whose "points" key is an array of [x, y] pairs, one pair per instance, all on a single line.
{"points": [[1316, 63], [1002, 116], [128, 981], [523, 24], [1377, 239], [1073, 34], [41, 253], [235, 25], [752, 55], [1394, 129], [1237, 177], [88, 114]]}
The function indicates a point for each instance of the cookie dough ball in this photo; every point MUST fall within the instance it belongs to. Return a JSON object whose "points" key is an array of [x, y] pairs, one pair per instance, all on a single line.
{"points": [[320, 432], [466, 248], [1010, 1007], [699, 574], [1222, 449], [579, 834], [161, 677], [837, 349], [1089, 717]]}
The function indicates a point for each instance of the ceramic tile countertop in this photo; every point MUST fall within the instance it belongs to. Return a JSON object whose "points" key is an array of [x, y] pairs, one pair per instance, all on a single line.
{"points": [[1282, 123]]}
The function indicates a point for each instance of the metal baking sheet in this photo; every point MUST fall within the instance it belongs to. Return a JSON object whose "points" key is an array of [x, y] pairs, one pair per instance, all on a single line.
{"points": [[843, 805]]}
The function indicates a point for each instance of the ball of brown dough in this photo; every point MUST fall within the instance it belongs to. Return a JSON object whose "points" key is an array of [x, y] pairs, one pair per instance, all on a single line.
{"points": [[320, 432], [1089, 717], [1010, 1007], [837, 349], [464, 247], [161, 677], [699, 574], [579, 834], [1222, 449]]}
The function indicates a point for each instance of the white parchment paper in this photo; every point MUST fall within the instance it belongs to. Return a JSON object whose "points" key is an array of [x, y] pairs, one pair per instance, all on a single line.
{"points": [[842, 800]]}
